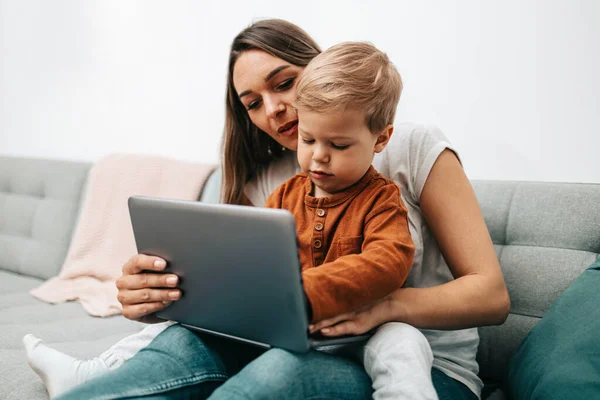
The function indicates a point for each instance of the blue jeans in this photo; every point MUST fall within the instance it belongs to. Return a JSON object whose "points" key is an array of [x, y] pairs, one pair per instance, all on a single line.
{"points": [[180, 364]]}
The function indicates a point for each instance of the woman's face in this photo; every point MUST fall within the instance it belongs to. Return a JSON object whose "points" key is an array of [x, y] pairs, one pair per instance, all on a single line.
{"points": [[266, 86]]}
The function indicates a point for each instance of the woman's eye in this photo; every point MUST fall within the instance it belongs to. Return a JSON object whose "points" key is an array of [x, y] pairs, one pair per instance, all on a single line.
{"points": [[253, 105], [340, 147], [286, 84]]}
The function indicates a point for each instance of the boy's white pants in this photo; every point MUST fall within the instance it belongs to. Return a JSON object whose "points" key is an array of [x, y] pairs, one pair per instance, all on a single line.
{"points": [[398, 359]]}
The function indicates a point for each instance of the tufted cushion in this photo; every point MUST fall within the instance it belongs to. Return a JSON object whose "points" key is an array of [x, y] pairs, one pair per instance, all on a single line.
{"points": [[545, 235], [39, 201]]}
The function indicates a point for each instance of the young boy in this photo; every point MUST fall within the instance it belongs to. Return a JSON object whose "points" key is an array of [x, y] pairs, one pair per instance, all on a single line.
{"points": [[354, 243], [353, 237]]}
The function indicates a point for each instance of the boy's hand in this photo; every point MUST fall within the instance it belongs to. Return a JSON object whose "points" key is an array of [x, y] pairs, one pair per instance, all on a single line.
{"points": [[356, 322]]}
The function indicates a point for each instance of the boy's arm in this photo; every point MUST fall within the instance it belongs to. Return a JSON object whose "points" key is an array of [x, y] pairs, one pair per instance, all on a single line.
{"points": [[356, 280]]}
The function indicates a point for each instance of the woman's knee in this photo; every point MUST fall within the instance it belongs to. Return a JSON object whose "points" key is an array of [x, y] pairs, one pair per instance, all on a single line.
{"points": [[175, 337], [182, 347], [282, 374], [274, 367], [269, 376]]}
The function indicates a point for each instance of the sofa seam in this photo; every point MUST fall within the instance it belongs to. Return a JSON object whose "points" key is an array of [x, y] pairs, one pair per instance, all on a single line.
{"points": [[508, 214]]}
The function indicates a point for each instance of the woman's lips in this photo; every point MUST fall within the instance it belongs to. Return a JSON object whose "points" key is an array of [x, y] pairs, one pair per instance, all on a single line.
{"points": [[289, 129]]}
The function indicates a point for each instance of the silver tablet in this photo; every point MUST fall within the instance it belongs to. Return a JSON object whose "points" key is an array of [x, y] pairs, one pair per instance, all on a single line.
{"points": [[238, 267]]}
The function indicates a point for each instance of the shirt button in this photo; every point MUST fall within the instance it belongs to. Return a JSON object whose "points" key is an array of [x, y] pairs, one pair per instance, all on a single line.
{"points": [[317, 243], [320, 212], [319, 226]]}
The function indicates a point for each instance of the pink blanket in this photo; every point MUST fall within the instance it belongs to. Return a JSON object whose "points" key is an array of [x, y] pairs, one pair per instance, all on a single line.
{"points": [[103, 239]]}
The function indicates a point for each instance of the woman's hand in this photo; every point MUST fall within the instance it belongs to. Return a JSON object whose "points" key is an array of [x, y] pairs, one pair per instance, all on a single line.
{"points": [[357, 322], [143, 291]]}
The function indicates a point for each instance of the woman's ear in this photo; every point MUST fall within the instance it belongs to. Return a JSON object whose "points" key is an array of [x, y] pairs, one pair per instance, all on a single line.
{"points": [[383, 138]]}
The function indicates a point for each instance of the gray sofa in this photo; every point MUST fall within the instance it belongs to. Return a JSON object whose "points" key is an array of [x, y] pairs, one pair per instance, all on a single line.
{"points": [[545, 234]]}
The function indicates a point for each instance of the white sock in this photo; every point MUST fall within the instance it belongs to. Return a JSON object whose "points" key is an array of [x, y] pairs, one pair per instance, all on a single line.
{"points": [[58, 371]]}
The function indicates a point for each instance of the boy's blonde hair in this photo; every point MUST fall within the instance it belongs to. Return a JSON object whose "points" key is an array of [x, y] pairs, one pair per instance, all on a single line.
{"points": [[351, 75]]}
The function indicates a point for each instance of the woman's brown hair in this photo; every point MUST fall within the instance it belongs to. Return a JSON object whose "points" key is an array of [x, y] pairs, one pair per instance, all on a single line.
{"points": [[245, 147]]}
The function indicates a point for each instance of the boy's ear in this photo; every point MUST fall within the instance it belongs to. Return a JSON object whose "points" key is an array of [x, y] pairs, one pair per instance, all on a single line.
{"points": [[383, 138]]}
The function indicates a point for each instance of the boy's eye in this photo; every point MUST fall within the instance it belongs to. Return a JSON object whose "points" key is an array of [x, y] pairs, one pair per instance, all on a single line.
{"points": [[340, 147], [286, 84], [308, 141]]}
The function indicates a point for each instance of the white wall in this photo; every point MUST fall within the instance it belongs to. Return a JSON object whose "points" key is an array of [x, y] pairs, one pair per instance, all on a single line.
{"points": [[514, 84]]}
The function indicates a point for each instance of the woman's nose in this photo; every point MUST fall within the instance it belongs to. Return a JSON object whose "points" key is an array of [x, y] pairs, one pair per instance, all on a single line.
{"points": [[273, 107]]}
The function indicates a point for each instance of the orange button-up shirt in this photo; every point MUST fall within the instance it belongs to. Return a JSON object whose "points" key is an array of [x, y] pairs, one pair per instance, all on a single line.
{"points": [[354, 247]]}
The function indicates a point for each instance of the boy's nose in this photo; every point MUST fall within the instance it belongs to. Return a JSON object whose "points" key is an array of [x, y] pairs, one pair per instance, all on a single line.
{"points": [[320, 156]]}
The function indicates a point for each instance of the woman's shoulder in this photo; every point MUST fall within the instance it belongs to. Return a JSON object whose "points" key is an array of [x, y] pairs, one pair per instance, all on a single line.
{"points": [[410, 136], [410, 155]]}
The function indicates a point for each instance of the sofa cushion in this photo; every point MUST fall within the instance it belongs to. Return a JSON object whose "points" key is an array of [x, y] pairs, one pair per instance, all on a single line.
{"points": [[66, 327], [39, 201], [545, 235], [560, 358], [211, 191]]}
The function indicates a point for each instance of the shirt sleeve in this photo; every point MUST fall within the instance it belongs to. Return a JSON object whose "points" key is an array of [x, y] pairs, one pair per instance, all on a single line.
{"points": [[356, 280], [410, 156]]}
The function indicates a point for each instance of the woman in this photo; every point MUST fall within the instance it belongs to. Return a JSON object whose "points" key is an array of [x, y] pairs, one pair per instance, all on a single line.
{"points": [[444, 296]]}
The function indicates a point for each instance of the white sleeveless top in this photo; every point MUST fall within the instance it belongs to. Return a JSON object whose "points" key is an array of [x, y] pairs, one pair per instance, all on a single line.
{"points": [[407, 160]]}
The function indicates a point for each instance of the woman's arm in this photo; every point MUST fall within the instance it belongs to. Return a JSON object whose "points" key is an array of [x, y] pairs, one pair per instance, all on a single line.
{"points": [[476, 297]]}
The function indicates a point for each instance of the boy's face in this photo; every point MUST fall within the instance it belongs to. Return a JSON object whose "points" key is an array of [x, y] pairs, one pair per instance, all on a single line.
{"points": [[336, 150]]}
